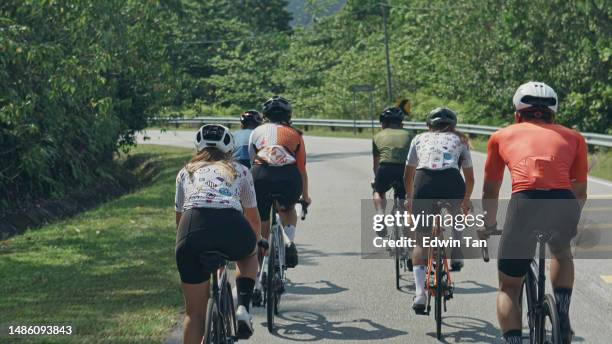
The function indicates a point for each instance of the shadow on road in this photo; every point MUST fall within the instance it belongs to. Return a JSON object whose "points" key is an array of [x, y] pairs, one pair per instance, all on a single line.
{"points": [[322, 287], [310, 326], [309, 256], [479, 288], [457, 329]]}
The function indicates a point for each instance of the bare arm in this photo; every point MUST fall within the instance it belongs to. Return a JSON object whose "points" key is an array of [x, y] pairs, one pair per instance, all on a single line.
{"points": [[468, 174], [580, 191], [252, 216], [409, 173], [490, 196], [375, 163], [178, 219], [305, 194]]}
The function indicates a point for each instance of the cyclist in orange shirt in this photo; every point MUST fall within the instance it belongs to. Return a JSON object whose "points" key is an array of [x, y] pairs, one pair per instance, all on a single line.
{"points": [[548, 165]]}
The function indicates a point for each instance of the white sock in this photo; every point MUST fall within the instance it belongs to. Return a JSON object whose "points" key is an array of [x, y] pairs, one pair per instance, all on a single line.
{"points": [[290, 232], [419, 279]]}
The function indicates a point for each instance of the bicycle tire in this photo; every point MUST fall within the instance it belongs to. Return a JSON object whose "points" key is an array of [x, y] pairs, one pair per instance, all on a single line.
{"points": [[271, 285], [439, 293], [229, 311], [397, 261], [531, 294], [549, 311], [211, 327]]}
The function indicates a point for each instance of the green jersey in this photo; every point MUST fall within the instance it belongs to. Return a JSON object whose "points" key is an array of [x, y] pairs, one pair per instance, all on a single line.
{"points": [[392, 145]]}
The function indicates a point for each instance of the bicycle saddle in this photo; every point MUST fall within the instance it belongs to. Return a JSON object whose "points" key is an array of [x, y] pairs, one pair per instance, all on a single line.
{"points": [[213, 260]]}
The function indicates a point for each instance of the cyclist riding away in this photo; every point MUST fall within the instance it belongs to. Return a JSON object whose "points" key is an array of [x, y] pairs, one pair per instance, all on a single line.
{"points": [[216, 211], [548, 163], [249, 120], [279, 170], [432, 174], [389, 150]]}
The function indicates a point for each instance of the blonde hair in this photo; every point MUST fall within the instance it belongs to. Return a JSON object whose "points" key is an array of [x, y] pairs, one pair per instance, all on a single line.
{"points": [[451, 129], [210, 156]]}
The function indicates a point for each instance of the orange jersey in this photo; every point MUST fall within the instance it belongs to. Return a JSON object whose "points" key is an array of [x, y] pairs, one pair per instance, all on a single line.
{"points": [[539, 156], [277, 145]]}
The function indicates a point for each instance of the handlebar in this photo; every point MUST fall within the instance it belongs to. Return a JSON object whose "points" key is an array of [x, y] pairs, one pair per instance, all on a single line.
{"points": [[485, 249], [304, 208]]}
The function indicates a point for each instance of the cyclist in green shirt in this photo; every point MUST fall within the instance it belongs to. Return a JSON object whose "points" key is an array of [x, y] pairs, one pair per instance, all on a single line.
{"points": [[389, 151]]}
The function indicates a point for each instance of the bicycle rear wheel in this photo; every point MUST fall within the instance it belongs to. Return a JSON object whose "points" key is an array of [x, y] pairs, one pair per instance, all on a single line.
{"points": [[212, 328], [271, 285], [549, 330], [397, 260], [439, 293], [229, 311], [531, 294]]}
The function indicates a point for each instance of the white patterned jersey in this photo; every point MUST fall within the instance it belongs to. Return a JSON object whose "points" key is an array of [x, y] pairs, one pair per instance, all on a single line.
{"points": [[211, 187], [438, 151]]}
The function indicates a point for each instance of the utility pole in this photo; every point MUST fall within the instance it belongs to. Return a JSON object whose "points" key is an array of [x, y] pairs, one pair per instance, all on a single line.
{"points": [[384, 9]]}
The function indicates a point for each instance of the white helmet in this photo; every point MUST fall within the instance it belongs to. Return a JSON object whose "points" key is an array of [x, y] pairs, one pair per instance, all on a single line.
{"points": [[535, 94], [214, 135]]}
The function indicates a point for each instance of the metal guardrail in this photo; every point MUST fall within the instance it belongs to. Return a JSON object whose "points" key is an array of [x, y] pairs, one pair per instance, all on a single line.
{"points": [[591, 138]]}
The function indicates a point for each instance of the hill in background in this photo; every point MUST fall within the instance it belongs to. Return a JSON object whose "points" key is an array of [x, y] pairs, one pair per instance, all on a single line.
{"points": [[303, 11]]}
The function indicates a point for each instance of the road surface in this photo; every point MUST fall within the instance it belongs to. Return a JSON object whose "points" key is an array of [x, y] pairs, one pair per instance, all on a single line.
{"points": [[335, 296]]}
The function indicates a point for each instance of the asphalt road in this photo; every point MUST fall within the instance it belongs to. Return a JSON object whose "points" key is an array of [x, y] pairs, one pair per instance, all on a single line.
{"points": [[334, 295]]}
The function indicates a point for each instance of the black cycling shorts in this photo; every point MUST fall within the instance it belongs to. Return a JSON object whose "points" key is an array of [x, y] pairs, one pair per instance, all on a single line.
{"points": [[206, 229], [390, 176], [549, 211], [283, 183], [436, 186]]}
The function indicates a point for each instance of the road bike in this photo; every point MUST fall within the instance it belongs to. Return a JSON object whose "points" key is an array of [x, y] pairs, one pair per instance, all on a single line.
{"points": [[403, 262], [272, 275], [220, 326], [438, 283], [542, 317]]}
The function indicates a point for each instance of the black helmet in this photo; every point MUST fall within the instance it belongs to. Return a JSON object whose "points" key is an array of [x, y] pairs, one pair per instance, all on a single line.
{"points": [[251, 118], [277, 109], [440, 117], [392, 115]]}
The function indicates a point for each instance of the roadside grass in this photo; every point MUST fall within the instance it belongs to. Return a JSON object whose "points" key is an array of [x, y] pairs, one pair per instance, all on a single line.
{"points": [[109, 272]]}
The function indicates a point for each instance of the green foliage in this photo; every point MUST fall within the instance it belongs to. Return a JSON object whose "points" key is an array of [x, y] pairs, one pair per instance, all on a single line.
{"points": [[470, 55], [78, 78]]}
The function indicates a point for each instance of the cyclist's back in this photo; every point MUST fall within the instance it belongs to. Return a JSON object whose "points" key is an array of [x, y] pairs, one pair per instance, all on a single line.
{"points": [[279, 169], [540, 156], [548, 165], [392, 145], [249, 120]]}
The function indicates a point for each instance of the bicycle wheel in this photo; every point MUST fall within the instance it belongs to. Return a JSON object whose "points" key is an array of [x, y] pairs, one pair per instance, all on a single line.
{"points": [[271, 284], [439, 293], [229, 312], [531, 295], [549, 330], [212, 328], [397, 261]]}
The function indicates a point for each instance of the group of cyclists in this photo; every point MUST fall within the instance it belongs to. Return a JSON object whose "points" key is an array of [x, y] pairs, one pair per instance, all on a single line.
{"points": [[224, 195], [547, 162], [223, 206]]}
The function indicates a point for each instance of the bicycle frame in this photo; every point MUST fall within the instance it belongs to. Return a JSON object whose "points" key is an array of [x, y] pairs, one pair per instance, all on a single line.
{"points": [[276, 235], [437, 232], [539, 304], [223, 307], [535, 308]]}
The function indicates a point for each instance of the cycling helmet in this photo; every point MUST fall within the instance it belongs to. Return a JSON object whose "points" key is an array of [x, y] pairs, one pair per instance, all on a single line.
{"points": [[441, 116], [392, 115], [535, 95], [216, 136], [251, 118], [277, 109]]}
